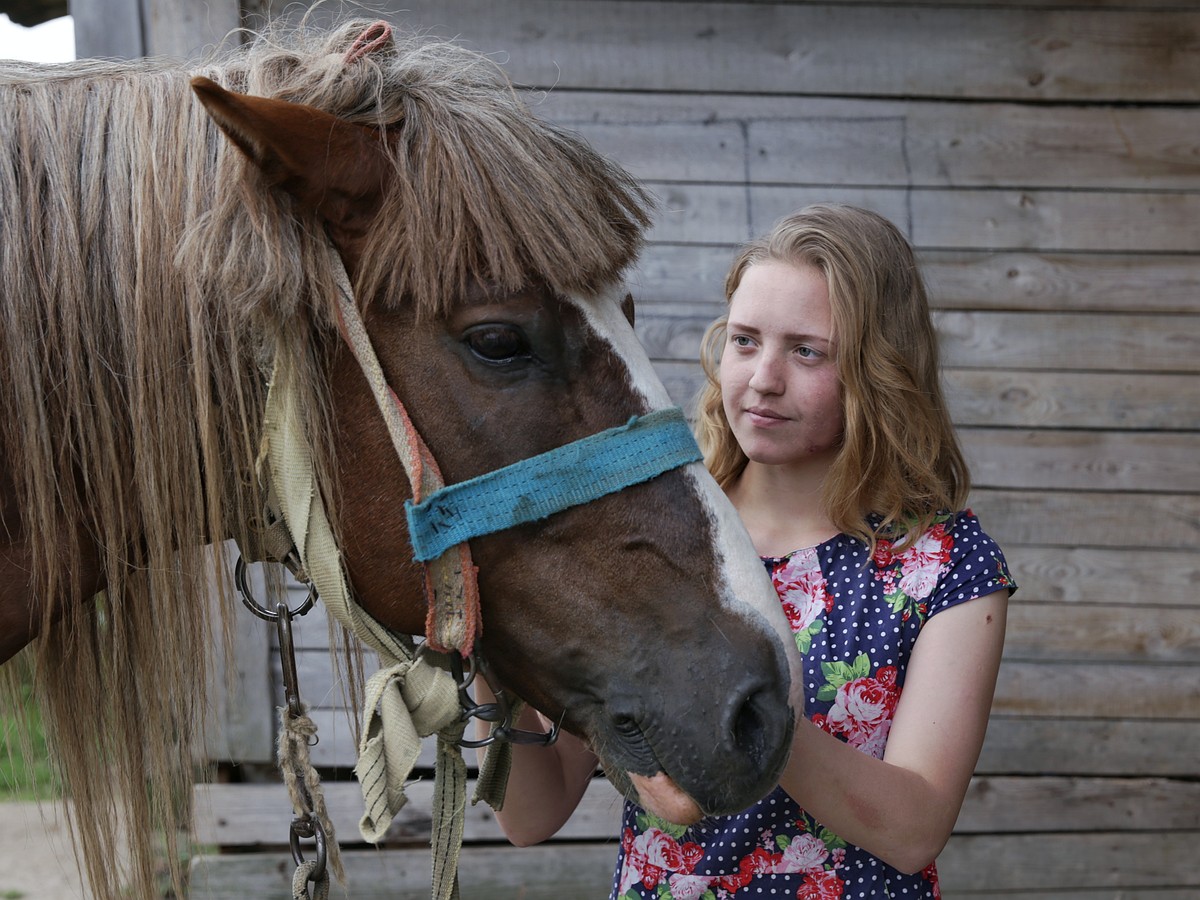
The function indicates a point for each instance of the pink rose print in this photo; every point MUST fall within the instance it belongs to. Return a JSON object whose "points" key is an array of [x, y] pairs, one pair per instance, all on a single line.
{"points": [[643, 858], [689, 887], [875, 742], [760, 862], [921, 563], [804, 594], [652, 856], [862, 709], [682, 857], [805, 852], [821, 886]]}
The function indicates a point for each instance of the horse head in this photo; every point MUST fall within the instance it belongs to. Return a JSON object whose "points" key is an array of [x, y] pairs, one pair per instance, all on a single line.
{"points": [[643, 620]]}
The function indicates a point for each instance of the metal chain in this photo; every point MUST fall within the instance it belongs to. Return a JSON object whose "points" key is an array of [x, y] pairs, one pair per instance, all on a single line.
{"points": [[308, 824]]}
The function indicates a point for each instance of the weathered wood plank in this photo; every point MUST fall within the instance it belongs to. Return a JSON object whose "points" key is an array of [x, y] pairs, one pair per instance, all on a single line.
{"points": [[1081, 4], [1046, 862], [1113, 343], [994, 52], [994, 145], [945, 219], [1082, 460], [822, 141], [1153, 522], [545, 872], [246, 816], [969, 219], [240, 815], [1076, 632], [111, 30], [714, 213], [337, 746], [1030, 399], [1077, 746], [1037, 862], [186, 30], [1056, 220], [242, 714], [961, 280], [1098, 690], [1062, 281], [1049, 804], [1110, 576]]}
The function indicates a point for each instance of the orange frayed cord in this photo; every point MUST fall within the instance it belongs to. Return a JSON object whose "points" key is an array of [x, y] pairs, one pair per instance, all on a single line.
{"points": [[374, 36]]}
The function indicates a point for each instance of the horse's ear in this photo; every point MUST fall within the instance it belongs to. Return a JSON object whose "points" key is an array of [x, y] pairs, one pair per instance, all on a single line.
{"points": [[330, 165]]}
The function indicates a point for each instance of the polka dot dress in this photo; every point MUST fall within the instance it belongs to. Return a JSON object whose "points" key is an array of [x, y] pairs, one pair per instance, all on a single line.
{"points": [[855, 617]]}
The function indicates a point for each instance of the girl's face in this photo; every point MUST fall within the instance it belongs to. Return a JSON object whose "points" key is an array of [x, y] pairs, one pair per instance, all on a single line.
{"points": [[779, 381]]}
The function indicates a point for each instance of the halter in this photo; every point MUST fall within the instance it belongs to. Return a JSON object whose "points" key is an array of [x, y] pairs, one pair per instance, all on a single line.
{"points": [[441, 523], [413, 695]]}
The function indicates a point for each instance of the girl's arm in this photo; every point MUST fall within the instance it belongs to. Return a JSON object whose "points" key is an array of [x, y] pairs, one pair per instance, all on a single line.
{"points": [[902, 808], [545, 784]]}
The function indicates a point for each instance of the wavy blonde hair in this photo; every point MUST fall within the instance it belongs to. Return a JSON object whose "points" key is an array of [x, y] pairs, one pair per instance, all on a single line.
{"points": [[900, 459]]}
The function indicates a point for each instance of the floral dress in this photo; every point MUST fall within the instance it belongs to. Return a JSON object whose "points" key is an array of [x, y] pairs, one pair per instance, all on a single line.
{"points": [[855, 620]]}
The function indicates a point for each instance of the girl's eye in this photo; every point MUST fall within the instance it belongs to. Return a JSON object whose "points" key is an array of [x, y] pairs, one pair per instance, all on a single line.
{"points": [[497, 343], [807, 352], [740, 340]]}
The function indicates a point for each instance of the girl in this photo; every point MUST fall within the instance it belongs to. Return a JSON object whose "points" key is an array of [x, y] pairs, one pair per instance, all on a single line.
{"points": [[823, 420]]}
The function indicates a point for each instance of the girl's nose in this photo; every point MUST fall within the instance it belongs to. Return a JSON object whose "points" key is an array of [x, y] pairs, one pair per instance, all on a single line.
{"points": [[767, 377]]}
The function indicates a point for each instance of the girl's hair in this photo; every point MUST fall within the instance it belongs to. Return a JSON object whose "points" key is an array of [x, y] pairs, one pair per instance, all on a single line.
{"points": [[899, 460]]}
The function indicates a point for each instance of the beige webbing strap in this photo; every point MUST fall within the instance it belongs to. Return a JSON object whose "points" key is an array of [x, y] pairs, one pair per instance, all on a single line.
{"points": [[449, 813], [403, 703]]}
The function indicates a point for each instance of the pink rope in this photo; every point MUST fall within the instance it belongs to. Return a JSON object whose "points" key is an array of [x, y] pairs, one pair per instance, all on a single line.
{"points": [[374, 36]]}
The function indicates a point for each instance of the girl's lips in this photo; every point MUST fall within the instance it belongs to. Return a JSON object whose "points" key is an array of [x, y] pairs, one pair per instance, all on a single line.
{"points": [[764, 417]]}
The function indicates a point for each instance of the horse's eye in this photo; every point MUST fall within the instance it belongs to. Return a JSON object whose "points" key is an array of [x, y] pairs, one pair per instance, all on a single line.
{"points": [[497, 343]]}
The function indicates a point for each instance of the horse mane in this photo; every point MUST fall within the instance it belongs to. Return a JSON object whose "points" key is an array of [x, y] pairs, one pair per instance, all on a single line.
{"points": [[148, 277]]}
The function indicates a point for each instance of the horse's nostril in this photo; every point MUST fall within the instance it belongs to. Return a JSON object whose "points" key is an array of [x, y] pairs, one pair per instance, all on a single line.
{"points": [[749, 728], [627, 727]]}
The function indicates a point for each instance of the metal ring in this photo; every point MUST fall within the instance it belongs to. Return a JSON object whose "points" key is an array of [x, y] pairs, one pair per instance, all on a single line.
{"points": [[463, 680], [318, 873], [243, 588]]}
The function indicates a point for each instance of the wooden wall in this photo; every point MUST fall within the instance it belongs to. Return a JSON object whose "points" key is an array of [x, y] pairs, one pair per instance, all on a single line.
{"points": [[1045, 160]]}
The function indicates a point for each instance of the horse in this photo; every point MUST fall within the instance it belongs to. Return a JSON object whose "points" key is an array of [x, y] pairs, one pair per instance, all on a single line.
{"points": [[165, 237]]}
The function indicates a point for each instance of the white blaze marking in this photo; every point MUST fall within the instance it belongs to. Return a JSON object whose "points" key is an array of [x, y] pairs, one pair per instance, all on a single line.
{"points": [[746, 585]]}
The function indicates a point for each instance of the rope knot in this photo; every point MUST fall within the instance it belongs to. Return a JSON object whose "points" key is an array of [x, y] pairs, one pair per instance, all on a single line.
{"points": [[404, 702]]}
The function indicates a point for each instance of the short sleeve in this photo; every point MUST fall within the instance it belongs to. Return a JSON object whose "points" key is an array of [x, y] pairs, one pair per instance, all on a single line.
{"points": [[976, 567]]}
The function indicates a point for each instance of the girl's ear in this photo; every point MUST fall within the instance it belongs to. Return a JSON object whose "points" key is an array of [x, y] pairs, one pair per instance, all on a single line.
{"points": [[331, 166]]}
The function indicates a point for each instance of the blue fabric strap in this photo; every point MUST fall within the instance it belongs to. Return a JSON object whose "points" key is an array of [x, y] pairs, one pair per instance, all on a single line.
{"points": [[571, 475]]}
